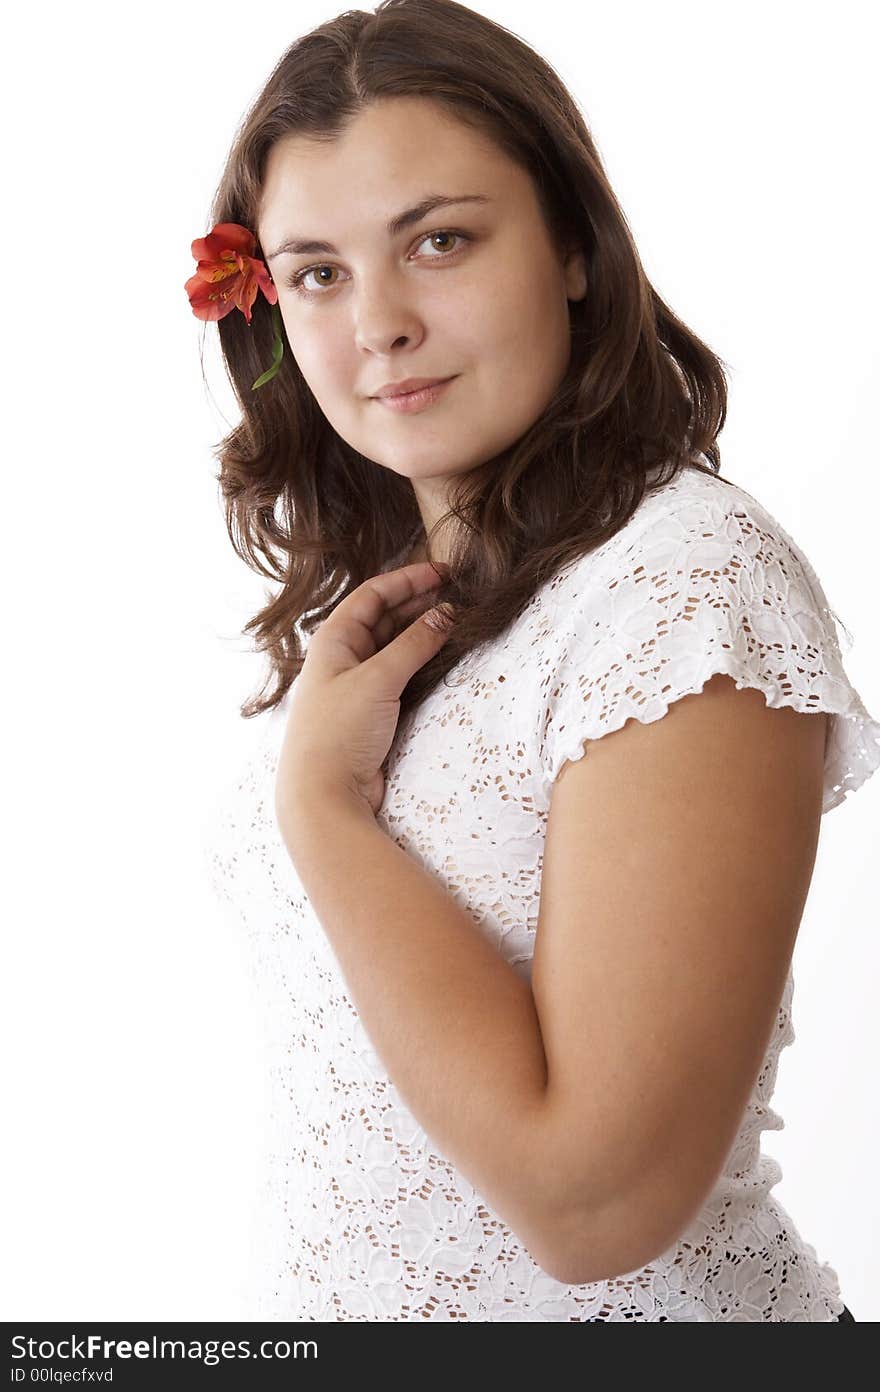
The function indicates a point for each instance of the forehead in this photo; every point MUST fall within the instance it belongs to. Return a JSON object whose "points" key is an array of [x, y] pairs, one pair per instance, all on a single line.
{"points": [[377, 165]]}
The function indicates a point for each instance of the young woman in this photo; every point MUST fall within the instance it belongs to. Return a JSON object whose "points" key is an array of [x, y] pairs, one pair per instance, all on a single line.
{"points": [[523, 891]]}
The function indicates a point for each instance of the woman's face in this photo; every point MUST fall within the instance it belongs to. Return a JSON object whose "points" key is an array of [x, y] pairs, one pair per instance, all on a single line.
{"points": [[472, 290]]}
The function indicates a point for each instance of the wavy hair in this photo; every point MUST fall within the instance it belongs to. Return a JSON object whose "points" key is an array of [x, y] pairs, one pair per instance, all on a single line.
{"points": [[642, 396]]}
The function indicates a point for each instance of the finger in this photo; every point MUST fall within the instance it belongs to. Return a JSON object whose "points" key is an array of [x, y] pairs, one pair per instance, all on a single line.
{"points": [[353, 629], [402, 656], [396, 619]]}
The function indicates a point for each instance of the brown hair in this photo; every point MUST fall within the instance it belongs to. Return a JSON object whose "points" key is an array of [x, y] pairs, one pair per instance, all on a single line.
{"points": [[642, 393]]}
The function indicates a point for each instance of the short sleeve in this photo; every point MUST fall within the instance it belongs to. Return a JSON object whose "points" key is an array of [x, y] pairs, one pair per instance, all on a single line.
{"points": [[708, 583]]}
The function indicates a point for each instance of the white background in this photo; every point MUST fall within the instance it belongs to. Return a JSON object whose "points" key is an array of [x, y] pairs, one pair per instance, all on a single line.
{"points": [[742, 144]]}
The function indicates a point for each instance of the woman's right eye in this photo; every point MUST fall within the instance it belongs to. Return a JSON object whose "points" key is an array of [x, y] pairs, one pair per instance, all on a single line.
{"points": [[296, 281]]}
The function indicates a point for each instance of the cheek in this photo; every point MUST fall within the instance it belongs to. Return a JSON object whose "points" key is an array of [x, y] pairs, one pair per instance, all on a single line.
{"points": [[522, 314], [320, 353], [523, 353], [526, 334], [542, 306]]}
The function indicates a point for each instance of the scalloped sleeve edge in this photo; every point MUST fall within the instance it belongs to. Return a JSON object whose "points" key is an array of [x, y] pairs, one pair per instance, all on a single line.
{"points": [[852, 747]]}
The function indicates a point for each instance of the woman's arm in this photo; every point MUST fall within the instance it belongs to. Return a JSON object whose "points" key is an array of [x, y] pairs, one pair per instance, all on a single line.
{"points": [[677, 862], [453, 1023]]}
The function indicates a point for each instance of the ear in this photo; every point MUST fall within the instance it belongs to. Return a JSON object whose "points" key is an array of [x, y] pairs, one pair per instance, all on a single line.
{"points": [[575, 273]]}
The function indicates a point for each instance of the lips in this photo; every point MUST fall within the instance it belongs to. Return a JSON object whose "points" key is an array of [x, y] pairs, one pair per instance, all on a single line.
{"points": [[409, 402], [408, 385]]}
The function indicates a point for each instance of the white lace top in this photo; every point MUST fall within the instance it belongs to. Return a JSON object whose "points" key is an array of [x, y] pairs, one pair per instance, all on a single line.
{"points": [[361, 1218]]}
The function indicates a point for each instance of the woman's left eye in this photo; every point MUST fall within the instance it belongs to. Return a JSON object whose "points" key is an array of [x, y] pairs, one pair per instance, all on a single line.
{"points": [[296, 281], [445, 233]]}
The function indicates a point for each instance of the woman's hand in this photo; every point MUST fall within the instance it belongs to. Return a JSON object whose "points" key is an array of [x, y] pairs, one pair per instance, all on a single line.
{"points": [[346, 700]]}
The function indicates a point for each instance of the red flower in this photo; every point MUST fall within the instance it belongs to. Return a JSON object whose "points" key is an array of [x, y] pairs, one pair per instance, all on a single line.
{"points": [[228, 275]]}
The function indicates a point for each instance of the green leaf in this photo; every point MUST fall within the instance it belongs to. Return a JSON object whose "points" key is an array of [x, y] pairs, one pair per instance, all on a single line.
{"points": [[277, 350]]}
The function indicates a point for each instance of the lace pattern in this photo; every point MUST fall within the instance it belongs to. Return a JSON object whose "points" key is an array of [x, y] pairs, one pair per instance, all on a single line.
{"points": [[709, 583], [361, 1217]]}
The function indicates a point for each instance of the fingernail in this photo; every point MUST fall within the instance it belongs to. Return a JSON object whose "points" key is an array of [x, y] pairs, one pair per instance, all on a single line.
{"points": [[440, 617]]}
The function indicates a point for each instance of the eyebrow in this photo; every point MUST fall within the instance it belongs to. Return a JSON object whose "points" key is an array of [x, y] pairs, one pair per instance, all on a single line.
{"points": [[301, 247]]}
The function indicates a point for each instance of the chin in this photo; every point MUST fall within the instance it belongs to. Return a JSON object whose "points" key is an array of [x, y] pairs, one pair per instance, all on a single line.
{"points": [[410, 464]]}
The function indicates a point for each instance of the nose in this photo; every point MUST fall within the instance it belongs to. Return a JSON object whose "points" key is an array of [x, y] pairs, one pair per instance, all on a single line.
{"points": [[386, 317]]}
